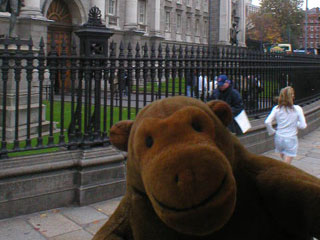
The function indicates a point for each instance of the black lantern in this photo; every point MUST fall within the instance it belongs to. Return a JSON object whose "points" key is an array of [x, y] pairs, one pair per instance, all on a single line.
{"points": [[94, 35]]}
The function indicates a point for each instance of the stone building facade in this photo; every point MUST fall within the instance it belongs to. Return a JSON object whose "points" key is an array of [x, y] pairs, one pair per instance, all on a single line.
{"points": [[251, 8], [174, 21]]}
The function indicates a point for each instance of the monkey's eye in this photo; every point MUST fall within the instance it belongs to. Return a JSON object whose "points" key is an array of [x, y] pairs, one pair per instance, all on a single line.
{"points": [[196, 126], [149, 142]]}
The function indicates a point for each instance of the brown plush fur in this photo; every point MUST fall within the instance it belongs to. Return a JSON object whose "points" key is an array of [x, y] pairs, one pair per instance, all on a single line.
{"points": [[189, 178]]}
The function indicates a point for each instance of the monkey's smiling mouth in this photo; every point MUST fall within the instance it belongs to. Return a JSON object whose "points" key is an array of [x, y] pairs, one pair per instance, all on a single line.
{"points": [[202, 203]]}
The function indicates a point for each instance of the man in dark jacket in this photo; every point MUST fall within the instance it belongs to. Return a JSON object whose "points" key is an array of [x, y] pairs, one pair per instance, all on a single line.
{"points": [[227, 93]]}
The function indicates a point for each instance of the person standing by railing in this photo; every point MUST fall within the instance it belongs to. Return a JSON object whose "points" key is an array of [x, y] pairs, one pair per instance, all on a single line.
{"points": [[202, 86], [289, 118], [227, 93], [191, 83]]}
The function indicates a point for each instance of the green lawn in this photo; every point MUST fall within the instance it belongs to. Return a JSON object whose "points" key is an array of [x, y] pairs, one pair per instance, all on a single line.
{"points": [[176, 89], [67, 120], [271, 89], [68, 112]]}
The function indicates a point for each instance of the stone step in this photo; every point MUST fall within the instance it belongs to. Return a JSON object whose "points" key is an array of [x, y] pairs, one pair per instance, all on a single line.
{"points": [[10, 131], [23, 109]]}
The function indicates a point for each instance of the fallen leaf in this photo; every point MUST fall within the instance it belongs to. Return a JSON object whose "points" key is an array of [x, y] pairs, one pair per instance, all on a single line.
{"points": [[43, 215]]}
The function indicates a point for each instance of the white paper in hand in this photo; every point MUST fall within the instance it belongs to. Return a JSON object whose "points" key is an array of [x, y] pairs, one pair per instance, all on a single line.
{"points": [[243, 121]]}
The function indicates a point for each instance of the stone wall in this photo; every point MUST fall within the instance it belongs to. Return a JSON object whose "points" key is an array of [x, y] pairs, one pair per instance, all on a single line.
{"points": [[40, 182]]}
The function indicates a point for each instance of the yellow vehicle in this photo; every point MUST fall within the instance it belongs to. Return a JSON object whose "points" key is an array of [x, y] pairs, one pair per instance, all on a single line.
{"points": [[282, 47], [286, 47], [276, 49]]}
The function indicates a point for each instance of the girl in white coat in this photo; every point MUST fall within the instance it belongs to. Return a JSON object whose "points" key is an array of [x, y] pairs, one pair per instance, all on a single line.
{"points": [[289, 118]]}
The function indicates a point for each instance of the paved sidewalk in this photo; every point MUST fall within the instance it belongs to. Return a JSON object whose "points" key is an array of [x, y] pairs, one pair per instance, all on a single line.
{"points": [[308, 158], [72, 223], [81, 223]]}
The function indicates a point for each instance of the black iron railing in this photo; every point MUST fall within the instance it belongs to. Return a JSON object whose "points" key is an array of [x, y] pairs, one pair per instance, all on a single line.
{"points": [[61, 99]]}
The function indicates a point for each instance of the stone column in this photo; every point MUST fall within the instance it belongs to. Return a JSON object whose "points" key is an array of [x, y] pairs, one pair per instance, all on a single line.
{"points": [[242, 23], [225, 22], [31, 8], [215, 15], [155, 21], [101, 4], [131, 20], [31, 22]]}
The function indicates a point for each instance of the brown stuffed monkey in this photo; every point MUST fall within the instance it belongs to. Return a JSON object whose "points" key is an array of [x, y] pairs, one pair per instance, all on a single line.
{"points": [[189, 178]]}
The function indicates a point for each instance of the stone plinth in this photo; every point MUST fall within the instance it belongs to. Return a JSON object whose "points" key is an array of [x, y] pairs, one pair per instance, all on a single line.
{"points": [[36, 183], [12, 96]]}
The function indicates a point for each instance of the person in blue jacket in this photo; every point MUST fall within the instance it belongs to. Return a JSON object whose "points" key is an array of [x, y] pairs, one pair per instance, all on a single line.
{"points": [[227, 93]]}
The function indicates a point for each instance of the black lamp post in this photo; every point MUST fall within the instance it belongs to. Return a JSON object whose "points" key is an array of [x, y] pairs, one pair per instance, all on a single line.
{"points": [[94, 38]]}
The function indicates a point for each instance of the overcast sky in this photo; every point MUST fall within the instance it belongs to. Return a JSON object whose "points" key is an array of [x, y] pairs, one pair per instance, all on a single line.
{"points": [[311, 3]]}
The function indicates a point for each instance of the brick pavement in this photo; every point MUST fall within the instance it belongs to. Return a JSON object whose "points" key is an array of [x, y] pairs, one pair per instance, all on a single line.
{"points": [[80, 223]]}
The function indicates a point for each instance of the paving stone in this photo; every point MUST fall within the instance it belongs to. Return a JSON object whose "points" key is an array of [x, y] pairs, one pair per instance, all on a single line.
{"points": [[305, 146], [314, 155], [76, 235], [52, 224], [272, 155], [18, 229], [303, 166], [309, 165], [95, 226], [311, 168], [303, 151], [316, 172], [308, 159], [83, 215], [298, 157], [108, 207], [312, 137], [315, 150], [308, 143]]}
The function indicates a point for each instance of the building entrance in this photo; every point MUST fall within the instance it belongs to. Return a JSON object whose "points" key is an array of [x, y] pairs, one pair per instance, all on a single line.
{"points": [[60, 30]]}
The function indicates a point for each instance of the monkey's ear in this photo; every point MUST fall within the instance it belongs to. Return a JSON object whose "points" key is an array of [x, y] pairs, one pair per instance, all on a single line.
{"points": [[119, 134], [222, 110]]}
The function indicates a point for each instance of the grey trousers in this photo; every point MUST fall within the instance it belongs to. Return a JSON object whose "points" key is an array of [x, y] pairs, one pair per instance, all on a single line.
{"points": [[11, 6]]}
